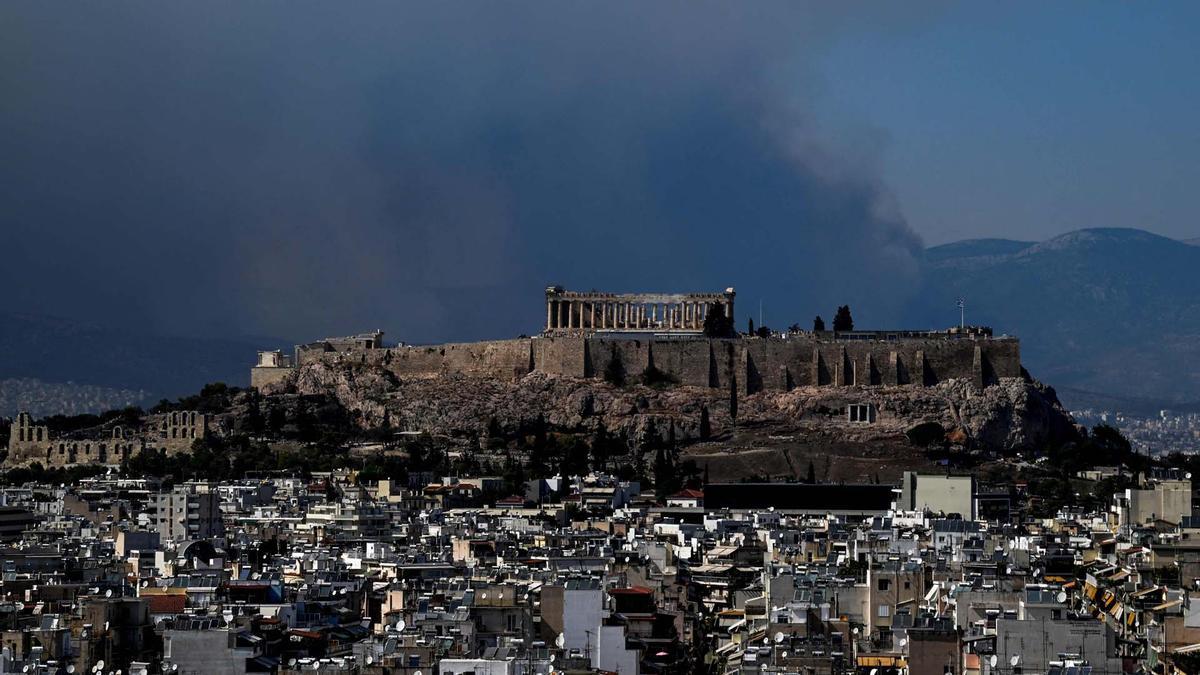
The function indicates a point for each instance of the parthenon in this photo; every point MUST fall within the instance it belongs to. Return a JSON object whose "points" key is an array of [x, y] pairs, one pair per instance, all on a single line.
{"points": [[647, 312]]}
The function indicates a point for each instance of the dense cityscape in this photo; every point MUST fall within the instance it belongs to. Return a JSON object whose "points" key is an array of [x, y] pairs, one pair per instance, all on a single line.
{"points": [[277, 530], [669, 338]]}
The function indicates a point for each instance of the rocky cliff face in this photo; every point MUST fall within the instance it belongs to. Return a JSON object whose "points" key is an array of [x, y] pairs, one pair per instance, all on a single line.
{"points": [[1016, 414]]}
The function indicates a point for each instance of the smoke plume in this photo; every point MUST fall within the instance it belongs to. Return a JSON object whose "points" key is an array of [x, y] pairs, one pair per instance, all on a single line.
{"points": [[299, 169]]}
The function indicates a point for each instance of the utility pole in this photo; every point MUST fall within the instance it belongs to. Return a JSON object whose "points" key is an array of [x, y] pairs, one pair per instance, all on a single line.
{"points": [[962, 312]]}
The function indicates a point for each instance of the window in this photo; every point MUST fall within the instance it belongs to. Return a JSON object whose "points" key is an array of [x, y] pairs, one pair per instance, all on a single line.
{"points": [[907, 585], [884, 584], [885, 611]]}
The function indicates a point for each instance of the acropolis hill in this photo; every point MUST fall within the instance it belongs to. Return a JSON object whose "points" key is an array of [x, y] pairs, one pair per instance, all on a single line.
{"points": [[589, 335], [641, 367]]}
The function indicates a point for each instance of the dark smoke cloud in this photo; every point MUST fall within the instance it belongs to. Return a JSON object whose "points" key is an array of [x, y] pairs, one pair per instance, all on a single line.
{"points": [[306, 169]]}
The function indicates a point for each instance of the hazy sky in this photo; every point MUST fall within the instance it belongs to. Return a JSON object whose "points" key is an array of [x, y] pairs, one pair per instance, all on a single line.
{"points": [[301, 169], [1029, 120]]}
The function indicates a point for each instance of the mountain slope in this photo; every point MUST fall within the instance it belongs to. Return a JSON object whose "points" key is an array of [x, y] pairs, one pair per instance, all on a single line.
{"points": [[1111, 311]]}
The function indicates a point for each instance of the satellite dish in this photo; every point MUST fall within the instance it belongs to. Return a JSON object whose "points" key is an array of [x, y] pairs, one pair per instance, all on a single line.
{"points": [[71, 668], [854, 630], [1015, 660], [766, 641], [783, 654], [993, 660], [100, 665], [778, 637], [874, 671], [552, 658], [417, 673], [400, 625], [291, 663], [108, 593], [1062, 596], [24, 669], [903, 641], [560, 641], [174, 667]]}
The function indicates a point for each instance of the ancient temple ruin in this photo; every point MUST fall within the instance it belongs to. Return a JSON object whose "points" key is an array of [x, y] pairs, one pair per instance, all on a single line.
{"points": [[575, 311]]}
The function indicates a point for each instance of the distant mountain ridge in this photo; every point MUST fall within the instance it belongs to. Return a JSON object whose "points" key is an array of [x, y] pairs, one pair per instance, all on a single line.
{"points": [[1114, 311], [976, 248], [89, 365]]}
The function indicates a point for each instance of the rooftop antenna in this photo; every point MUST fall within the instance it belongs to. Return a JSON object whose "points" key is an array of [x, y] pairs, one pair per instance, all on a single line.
{"points": [[962, 312]]}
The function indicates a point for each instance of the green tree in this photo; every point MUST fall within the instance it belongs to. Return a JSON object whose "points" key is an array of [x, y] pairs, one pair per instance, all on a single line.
{"points": [[574, 458], [842, 321], [614, 370], [716, 324], [818, 324]]}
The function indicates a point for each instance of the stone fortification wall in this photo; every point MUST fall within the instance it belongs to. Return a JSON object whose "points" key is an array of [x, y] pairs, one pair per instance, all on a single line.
{"points": [[502, 359], [747, 364]]}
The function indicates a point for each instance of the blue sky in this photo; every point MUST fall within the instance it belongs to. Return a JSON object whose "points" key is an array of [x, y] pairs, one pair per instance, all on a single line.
{"points": [[1025, 120]]}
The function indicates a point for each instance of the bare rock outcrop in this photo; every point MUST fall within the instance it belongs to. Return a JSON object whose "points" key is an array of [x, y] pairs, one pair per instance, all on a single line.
{"points": [[1014, 414]]}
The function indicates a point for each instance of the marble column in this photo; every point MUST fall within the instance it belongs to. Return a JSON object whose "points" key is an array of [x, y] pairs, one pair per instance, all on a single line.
{"points": [[548, 305], [562, 315]]}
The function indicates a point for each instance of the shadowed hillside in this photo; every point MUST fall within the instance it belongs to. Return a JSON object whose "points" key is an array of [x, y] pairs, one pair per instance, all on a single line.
{"points": [[1108, 316]]}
